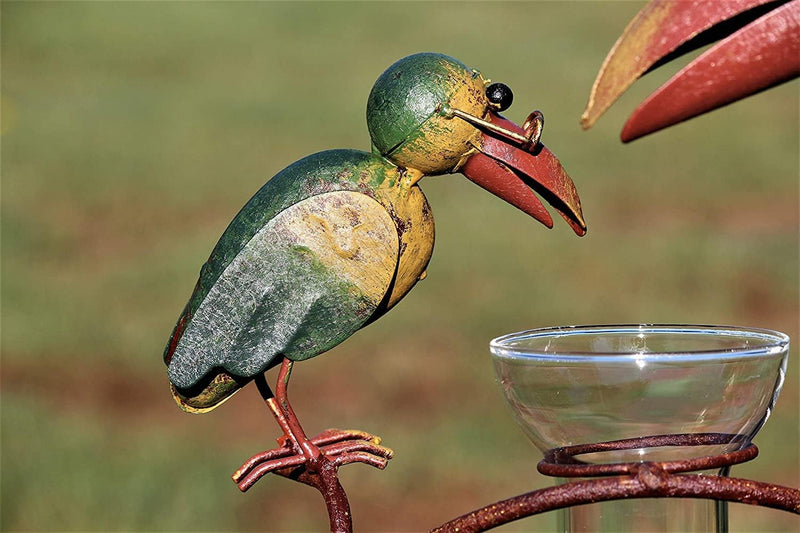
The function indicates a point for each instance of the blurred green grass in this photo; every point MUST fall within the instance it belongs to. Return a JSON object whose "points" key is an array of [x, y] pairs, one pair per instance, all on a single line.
{"points": [[133, 132]]}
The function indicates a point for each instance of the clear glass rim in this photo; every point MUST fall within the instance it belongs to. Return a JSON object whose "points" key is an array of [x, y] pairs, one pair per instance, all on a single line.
{"points": [[768, 343]]}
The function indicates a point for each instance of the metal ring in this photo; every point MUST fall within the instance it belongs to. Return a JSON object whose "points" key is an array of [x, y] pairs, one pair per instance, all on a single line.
{"points": [[534, 126], [561, 462]]}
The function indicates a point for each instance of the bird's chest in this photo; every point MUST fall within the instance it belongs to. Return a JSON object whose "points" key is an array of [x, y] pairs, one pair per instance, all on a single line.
{"points": [[414, 220]]}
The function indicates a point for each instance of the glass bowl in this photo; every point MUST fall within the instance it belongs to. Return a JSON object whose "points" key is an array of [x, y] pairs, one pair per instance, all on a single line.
{"points": [[588, 384]]}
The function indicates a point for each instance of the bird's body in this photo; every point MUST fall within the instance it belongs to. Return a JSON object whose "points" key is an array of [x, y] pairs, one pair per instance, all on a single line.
{"points": [[330, 243], [334, 240]]}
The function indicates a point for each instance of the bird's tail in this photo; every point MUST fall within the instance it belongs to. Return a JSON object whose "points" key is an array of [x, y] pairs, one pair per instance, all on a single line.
{"points": [[209, 394]]}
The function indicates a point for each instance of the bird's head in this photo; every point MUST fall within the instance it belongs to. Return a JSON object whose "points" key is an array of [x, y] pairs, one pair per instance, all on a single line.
{"points": [[431, 114]]}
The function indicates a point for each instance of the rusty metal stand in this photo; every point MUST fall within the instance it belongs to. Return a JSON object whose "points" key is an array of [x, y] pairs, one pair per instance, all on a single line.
{"points": [[633, 480], [314, 462]]}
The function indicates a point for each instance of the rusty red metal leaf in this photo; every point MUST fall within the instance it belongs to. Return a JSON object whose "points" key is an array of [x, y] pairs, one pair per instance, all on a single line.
{"points": [[761, 55], [665, 29]]}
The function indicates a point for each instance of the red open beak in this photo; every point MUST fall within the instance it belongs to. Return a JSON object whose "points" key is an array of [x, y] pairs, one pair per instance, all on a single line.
{"points": [[760, 49], [513, 170]]}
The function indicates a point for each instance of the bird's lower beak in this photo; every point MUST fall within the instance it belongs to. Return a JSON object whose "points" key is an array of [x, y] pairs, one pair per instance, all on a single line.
{"points": [[512, 168], [759, 49]]}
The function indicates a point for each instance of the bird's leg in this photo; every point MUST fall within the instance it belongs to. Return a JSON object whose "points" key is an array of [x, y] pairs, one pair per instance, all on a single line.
{"points": [[292, 428], [338, 447], [314, 462]]}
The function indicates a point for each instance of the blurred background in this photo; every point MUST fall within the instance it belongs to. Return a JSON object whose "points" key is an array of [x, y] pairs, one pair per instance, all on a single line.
{"points": [[133, 132]]}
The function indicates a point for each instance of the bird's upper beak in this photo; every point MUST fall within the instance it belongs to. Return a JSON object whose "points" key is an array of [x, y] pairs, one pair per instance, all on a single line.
{"points": [[510, 164], [760, 48]]}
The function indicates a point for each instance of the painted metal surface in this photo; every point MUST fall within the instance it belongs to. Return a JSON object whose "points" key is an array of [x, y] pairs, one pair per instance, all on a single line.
{"points": [[759, 52], [304, 264], [404, 112], [552, 183], [305, 282], [761, 55]]}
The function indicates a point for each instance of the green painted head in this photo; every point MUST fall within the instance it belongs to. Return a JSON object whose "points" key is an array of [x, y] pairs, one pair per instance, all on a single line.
{"points": [[405, 112]]}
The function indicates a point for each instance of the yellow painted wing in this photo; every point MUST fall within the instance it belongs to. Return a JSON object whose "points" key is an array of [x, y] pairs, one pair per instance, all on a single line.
{"points": [[310, 278]]}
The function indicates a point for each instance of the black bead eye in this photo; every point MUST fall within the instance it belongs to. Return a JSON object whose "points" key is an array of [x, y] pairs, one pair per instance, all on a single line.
{"points": [[500, 95]]}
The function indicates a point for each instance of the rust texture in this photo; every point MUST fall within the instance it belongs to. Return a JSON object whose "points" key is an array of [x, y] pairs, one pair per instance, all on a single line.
{"points": [[760, 48], [656, 31], [641, 480], [561, 462], [314, 462], [763, 54]]}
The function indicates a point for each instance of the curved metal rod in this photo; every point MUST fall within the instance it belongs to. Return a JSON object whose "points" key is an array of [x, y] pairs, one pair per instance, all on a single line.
{"points": [[650, 481], [561, 462]]}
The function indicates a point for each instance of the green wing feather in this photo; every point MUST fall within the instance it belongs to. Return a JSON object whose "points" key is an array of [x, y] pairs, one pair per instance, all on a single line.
{"points": [[266, 292]]}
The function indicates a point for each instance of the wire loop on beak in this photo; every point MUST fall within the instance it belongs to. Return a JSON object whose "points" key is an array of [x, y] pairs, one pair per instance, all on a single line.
{"points": [[533, 127]]}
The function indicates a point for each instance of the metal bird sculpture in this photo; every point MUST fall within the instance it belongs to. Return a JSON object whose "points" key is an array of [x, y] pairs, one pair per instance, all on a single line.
{"points": [[760, 48], [336, 239]]}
